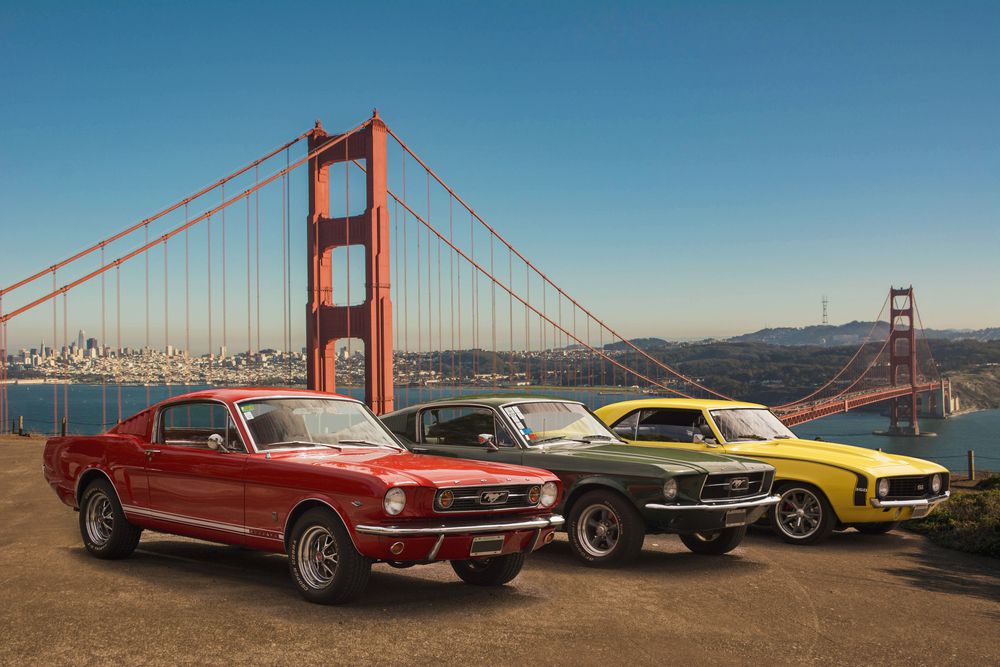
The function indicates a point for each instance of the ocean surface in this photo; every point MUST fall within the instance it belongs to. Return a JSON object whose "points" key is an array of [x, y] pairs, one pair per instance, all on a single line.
{"points": [[90, 405]]}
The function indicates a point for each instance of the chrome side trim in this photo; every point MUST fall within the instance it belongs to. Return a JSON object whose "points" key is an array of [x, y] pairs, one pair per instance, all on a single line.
{"points": [[718, 507], [403, 531], [198, 523], [917, 502]]}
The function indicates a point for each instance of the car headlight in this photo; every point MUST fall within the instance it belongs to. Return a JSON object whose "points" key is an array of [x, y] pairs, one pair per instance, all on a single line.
{"points": [[670, 489], [394, 501], [550, 491], [446, 499], [883, 488], [936, 484]]}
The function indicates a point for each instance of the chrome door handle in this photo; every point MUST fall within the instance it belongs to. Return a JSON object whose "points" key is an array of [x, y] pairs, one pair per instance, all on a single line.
{"points": [[150, 452]]}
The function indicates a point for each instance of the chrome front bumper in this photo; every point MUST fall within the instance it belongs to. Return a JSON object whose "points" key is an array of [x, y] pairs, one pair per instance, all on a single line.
{"points": [[434, 531], [919, 502], [719, 507]]}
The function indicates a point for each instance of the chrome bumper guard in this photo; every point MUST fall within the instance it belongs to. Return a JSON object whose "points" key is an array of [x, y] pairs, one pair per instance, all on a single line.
{"points": [[919, 502], [719, 507], [434, 531]]}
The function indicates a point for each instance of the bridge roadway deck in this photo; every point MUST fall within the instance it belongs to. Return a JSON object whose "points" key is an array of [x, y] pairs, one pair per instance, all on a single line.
{"points": [[889, 600]]}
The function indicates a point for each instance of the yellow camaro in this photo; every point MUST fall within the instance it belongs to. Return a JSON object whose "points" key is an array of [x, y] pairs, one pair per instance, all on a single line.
{"points": [[824, 486]]}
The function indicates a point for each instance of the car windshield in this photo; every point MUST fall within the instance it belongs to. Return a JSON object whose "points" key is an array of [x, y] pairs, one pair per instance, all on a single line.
{"points": [[281, 423], [549, 421], [746, 424]]}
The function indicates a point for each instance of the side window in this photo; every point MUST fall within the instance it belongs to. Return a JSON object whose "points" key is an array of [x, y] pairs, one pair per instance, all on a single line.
{"points": [[626, 427], [669, 425], [460, 426], [402, 425], [191, 424]]}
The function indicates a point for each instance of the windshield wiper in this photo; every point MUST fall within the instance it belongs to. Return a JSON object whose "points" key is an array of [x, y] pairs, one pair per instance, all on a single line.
{"points": [[308, 443], [783, 437], [598, 438], [554, 438], [366, 443], [751, 436]]}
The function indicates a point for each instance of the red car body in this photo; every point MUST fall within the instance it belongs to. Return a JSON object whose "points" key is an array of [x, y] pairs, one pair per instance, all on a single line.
{"points": [[253, 498]]}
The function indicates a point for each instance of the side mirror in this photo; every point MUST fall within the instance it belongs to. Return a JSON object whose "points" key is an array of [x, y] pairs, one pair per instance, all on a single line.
{"points": [[488, 440], [215, 442], [699, 439]]}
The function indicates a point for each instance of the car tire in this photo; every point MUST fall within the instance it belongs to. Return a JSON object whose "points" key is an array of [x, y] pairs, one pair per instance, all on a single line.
{"points": [[323, 562], [605, 529], [492, 571], [803, 515], [716, 542], [879, 528], [105, 530]]}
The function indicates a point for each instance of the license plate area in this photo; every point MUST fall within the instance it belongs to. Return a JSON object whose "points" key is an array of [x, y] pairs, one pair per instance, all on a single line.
{"points": [[487, 545], [735, 518]]}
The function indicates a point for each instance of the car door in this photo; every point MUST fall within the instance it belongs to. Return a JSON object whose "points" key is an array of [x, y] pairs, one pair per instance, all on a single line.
{"points": [[454, 430], [193, 483], [673, 427]]}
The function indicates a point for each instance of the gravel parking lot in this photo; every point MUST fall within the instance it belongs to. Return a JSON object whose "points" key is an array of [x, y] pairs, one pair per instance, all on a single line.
{"points": [[887, 600]]}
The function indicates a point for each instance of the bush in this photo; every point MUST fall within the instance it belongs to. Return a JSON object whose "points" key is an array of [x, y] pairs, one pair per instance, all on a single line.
{"points": [[991, 482], [966, 522]]}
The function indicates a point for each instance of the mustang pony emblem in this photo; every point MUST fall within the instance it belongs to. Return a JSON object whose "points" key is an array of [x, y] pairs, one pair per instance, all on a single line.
{"points": [[739, 483], [492, 497]]}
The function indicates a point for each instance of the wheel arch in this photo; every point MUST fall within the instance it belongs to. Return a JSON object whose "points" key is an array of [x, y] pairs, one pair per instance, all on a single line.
{"points": [[595, 484], [304, 506], [87, 477], [780, 484]]}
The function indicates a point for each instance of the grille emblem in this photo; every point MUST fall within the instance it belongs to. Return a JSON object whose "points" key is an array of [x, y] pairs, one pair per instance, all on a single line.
{"points": [[493, 497], [739, 483]]}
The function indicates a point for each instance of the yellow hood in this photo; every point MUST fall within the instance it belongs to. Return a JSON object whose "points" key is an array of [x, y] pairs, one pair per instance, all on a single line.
{"points": [[859, 459]]}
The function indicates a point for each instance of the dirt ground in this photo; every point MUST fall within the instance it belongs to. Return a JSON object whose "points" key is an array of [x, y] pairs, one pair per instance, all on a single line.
{"points": [[894, 599]]}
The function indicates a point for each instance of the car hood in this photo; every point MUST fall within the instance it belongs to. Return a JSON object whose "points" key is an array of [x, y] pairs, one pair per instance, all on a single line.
{"points": [[395, 467], [665, 458], [860, 459]]}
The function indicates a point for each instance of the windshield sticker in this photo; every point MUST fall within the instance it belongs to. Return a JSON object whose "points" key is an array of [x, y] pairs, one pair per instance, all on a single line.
{"points": [[247, 411]]}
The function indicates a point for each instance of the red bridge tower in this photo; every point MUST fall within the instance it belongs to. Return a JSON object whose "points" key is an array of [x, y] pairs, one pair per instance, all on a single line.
{"points": [[370, 321], [902, 358]]}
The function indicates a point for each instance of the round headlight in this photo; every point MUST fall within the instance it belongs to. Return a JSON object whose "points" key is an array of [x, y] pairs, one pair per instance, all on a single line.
{"points": [[936, 484], [883, 488], [534, 493], [549, 493], [446, 499], [670, 489], [394, 501]]}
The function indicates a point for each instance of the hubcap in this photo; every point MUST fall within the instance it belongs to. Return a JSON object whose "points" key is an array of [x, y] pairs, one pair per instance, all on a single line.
{"points": [[799, 513], [318, 557], [100, 519], [599, 530]]}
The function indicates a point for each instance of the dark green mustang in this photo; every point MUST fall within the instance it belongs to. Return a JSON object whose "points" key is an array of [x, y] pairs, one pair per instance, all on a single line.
{"points": [[614, 493]]}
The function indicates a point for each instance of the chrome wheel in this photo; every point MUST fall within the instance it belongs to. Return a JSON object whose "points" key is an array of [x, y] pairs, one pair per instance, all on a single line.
{"points": [[318, 557], [100, 519], [799, 513], [599, 529]]}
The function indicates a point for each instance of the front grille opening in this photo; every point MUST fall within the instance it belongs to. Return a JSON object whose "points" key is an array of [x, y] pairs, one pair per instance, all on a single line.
{"points": [[487, 498], [910, 488], [729, 486]]}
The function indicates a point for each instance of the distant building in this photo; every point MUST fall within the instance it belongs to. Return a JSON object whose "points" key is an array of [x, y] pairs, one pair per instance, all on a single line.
{"points": [[80, 339], [92, 344]]}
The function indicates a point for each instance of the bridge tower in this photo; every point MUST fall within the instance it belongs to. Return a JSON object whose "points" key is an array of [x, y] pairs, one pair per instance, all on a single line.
{"points": [[371, 320], [902, 362]]}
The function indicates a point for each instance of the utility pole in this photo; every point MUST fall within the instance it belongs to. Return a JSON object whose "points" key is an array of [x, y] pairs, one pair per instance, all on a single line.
{"points": [[826, 320]]}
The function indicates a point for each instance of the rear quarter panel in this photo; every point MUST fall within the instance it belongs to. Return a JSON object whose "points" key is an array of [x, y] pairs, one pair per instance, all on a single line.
{"points": [[67, 460]]}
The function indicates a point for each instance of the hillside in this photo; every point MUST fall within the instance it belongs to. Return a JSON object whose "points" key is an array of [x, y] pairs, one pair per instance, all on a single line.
{"points": [[852, 333]]}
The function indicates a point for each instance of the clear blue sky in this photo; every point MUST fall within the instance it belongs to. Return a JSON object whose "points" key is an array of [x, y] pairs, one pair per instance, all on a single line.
{"points": [[685, 169]]}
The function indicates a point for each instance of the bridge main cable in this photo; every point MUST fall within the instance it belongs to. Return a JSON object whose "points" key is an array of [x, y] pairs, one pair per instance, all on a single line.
{"points": [[333, 141], [545, 277], [147, 221]]}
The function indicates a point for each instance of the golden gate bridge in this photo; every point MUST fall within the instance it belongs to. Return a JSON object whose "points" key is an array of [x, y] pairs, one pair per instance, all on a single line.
{"points": [[441, 289]]}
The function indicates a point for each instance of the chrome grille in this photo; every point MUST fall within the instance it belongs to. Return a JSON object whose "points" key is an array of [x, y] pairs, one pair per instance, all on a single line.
{"points": [[730, 486], [485, 498]]}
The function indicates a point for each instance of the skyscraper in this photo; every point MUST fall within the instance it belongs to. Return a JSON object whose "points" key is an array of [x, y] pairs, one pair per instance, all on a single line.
{"points": [[80, 339]]}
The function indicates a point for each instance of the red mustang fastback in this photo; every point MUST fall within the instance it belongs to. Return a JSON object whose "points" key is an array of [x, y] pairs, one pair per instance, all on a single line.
{"points": [[314, 475]]}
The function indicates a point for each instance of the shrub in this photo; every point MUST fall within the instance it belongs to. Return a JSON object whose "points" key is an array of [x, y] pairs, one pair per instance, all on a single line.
{"points": [[966, 522], [991, 482]]}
